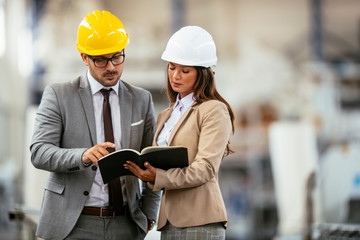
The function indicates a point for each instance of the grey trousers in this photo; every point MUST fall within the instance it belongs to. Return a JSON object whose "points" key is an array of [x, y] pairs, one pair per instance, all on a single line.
{"points": [[94, 228], [214, 231]]}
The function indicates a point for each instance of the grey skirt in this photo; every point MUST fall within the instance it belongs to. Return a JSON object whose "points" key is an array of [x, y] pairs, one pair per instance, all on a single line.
{"points": [[213, 231]]}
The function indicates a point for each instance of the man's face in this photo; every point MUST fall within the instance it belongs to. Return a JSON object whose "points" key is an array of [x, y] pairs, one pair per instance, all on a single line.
{"points": [[108, 75]]}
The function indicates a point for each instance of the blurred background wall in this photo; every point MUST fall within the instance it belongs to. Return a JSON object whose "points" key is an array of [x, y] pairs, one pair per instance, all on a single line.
{"points": [[290, 70]]}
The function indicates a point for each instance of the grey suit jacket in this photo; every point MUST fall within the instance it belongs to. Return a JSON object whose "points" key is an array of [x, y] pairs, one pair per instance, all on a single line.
{"points": [[64, 129]]}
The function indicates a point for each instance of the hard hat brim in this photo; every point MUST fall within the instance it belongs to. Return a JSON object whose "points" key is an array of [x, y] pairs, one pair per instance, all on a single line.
{"points": [[188, 62], [96, 52]]}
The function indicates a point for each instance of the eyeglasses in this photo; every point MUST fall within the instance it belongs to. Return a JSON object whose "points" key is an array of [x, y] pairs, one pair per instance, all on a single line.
{"points": [[102, 62]]}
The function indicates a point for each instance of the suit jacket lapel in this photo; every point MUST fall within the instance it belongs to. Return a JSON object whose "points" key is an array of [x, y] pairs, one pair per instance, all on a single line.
{"points": [[125, 102], [86, 99]]}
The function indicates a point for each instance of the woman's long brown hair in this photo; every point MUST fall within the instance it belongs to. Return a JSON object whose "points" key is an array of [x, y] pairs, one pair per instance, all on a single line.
{"points": [[204, 90]]}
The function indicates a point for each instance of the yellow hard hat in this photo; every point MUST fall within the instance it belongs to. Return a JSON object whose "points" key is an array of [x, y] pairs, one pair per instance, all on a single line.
{"points": [[101, 33]]}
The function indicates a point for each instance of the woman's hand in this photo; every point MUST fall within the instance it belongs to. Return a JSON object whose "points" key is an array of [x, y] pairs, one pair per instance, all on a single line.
{"points": [[147, 175]]}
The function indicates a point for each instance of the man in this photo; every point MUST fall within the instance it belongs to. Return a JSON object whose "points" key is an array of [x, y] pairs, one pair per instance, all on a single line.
{"points": [[75, 127]]}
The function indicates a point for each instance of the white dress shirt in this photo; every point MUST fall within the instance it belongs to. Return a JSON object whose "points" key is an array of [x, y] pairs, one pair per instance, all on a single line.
{"points": [[99, 196], [180, 107]]}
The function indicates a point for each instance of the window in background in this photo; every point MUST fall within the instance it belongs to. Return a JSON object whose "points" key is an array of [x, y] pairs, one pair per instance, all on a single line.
{"points": [[25, 54], [2, 30]]}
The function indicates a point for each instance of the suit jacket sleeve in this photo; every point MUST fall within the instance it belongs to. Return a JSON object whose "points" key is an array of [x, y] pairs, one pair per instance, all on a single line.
{"points": [[46, 150], [213, 127]]}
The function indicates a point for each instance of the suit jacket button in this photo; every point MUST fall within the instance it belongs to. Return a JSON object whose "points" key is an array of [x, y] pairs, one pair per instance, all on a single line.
{"points": [[86, 193], [94, 168]]}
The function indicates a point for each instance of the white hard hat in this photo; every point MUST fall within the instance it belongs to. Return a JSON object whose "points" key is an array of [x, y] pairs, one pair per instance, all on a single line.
{"points": [[191, 46]]}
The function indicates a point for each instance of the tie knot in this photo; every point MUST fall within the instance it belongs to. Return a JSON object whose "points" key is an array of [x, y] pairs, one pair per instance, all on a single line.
{"points": [[106, 92]]}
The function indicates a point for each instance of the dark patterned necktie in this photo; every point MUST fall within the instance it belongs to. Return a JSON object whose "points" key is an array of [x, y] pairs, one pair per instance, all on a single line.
{"points": [[115, 194]]}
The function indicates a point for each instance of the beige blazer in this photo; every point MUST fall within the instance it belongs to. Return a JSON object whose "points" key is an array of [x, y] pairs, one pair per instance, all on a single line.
{"points": [[192, 195]]}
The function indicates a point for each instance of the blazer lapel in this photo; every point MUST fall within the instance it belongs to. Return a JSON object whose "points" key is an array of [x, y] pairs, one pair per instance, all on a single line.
{"points": [[180, 122], [162, 121], [125, 102], [86, 99]]}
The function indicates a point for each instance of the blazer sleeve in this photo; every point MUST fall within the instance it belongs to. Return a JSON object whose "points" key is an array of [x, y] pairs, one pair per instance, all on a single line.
{"points": [[215, 130], [46, 152]]}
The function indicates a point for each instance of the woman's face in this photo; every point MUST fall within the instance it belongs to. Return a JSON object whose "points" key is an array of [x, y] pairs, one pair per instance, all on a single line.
{"points": [[182, 78]]}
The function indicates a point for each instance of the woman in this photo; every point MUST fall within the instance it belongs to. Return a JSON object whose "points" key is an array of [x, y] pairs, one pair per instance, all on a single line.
{"points": [[201, 120]]}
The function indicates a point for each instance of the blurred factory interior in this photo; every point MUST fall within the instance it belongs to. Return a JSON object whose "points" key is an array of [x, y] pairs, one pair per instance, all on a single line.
{"points": [[290, 70]]}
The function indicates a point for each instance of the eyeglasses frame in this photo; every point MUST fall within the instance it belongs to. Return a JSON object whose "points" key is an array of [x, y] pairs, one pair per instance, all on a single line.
{"points": [[107, 60]]}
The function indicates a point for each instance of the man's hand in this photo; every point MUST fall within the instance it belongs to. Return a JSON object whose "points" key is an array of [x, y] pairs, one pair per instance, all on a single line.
{"points": [[96, 152], [147, 175]]}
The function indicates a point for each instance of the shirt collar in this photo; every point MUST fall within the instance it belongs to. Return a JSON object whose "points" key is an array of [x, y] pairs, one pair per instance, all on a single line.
{"points": [[185, 101], [96, 86]]}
